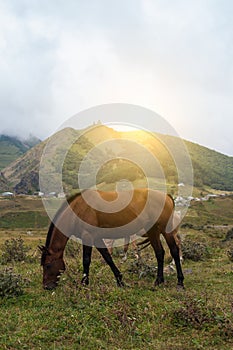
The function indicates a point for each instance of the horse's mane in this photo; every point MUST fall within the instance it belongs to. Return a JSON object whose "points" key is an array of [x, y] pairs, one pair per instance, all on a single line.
{"points": [[60, 210]]}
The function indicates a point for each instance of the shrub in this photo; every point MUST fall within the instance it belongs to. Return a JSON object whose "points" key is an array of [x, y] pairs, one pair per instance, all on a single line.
{"points": [[230, 254], [229, 235], [188, 225], [11, 284], [142, 269], [194, 250], [194, 313], [197, 312], [14, 249]]}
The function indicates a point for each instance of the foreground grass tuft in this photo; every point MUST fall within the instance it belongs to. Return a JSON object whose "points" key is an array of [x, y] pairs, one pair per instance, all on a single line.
{"points": [[11, 284], [199, 312], [13, 250]]}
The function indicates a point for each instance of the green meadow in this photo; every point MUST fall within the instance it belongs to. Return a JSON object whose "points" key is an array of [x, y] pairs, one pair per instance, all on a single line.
{"points": [[103, 316]]}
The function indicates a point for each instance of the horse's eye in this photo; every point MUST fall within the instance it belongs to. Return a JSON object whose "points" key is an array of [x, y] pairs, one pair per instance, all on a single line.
{"points": [[48, 266]]}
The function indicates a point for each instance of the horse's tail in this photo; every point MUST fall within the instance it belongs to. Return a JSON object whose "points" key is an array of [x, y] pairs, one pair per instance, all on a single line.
{"points": [[145, 243], [170, 196], [175, 218]]}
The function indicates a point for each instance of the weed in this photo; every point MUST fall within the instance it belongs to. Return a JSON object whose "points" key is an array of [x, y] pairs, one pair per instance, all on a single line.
{"points": [[14, 250], [194, 250], [194, 312], [197, 312], [11, 284], [229, 235], [230, 254], [225, 322], [142, 269]]}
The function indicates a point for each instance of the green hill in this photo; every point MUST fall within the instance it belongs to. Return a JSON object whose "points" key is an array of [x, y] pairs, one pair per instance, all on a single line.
{"points": [[212, 170], [12, 148]]}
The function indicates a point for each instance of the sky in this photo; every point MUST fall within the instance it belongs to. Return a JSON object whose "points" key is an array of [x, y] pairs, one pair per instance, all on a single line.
{"points": [[174, 57]]}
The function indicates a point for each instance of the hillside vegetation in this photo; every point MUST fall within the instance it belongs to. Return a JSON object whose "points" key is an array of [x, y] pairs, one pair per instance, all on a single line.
{"points": [[123, 158], [211, 168], [12, 148]]}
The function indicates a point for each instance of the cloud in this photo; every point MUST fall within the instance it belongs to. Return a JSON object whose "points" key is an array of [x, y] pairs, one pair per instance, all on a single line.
{"points": [[171, 56]]}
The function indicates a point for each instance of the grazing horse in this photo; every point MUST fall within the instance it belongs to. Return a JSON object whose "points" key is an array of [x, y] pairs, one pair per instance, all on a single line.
{"points": [[147, 209]]}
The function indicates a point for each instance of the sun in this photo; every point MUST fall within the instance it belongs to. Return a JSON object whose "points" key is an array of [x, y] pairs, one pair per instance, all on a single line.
{"points": [[122, 127]]}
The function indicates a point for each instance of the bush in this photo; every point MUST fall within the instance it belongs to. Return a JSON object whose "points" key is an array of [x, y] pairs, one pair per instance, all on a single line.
{"points": [[11, 284], [194, 250], [197, 312], [194, 313], [14, 250], [229, 235], [142, 269], [188, 225], [230, 254]]}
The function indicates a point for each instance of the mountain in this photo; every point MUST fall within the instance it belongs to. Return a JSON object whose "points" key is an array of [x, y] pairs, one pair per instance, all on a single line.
{"points": [[22, 175], [211, 168], [12, 148], [122, 155], [4, 186]]}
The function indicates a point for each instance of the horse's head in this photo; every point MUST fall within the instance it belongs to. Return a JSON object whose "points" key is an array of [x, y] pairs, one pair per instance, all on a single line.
{"points": [[53, 266]]}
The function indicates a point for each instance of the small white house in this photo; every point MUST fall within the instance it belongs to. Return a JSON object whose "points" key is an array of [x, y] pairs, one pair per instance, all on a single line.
{"points": [[7, 194], [61, 195]]}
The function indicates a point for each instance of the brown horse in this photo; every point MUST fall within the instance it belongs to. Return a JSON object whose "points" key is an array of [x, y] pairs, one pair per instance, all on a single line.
{"points": [[94, 216]]}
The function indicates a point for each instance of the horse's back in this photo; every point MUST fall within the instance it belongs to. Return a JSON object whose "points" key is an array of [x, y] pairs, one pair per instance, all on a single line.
{"points": [[114, 209]]}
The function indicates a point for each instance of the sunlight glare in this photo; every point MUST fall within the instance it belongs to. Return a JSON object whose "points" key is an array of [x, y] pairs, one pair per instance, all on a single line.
{"points": [[123, 127]]}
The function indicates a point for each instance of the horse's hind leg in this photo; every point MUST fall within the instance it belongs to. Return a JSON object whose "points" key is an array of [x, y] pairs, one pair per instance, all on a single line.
{"points": [[175, 253], [87, 250], [154, 237], [107, 257]]}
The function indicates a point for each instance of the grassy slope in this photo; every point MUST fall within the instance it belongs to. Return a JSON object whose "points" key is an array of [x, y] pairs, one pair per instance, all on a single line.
{"points": [[211, 168], [22, 212], [12, 148], [214, 211], [103, 316], [8, 153]]}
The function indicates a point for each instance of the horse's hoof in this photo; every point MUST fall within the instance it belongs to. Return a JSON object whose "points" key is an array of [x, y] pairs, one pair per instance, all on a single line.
{"points": [[158, 282], [50, 286], [180, 287], [120, 283], [85, 281]]}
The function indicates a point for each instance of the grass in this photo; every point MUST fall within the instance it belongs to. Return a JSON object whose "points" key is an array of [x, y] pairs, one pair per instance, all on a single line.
{"points": [[212, 212], [104, 316], [22, 213]]}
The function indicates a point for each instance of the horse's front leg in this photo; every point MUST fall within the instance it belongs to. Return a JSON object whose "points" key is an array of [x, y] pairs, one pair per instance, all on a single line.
{"points": [[87, 250], [107, 257]]}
